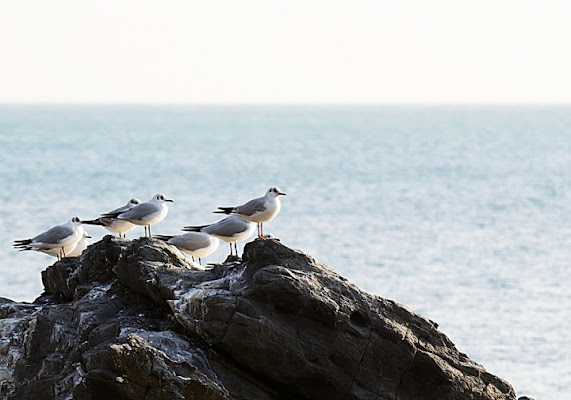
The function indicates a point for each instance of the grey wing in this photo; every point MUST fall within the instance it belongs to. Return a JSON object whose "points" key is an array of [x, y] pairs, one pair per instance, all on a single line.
{"points": [[120, 209], [140, 211], [163, 237], [228, 227], [191, 242], [54, 235], [106, 221], [252, 207], [102, 221]]}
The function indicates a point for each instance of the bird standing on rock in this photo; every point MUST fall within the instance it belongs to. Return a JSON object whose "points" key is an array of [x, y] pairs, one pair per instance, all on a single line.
{"points": [[80, 246], [115, 225], [56, 241], [145, 214], [260, 210], [231, 229], [195, 244]]}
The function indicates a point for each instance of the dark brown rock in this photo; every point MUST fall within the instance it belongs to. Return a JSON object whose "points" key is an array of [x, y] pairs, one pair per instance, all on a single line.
{"points": [[95, 265], [133, 320]]}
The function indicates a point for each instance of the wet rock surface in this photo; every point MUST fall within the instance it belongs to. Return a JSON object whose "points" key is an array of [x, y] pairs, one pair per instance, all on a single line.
{"points": [[134, 320]]}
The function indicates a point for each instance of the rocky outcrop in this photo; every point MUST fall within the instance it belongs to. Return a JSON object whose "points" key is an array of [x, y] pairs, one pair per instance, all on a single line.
{"points": [[134, 320]]}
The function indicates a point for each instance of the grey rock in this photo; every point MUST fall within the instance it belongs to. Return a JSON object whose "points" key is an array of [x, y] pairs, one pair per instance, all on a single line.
{"points": [[133, 320], [95, 265]]}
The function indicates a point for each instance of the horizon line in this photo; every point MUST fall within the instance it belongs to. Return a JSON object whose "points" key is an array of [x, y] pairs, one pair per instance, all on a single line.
{"points": [[287, 104]]}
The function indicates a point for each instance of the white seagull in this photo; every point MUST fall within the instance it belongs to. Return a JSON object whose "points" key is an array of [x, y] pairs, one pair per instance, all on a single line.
{"points": [[146, 214], [115, 225], [56, 241], [80, 246], [195, 244], [73, 250], [232, 229], [260, 210]]}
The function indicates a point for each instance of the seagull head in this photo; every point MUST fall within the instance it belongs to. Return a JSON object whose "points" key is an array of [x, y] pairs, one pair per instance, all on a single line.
{"points": [[161, 198], [76, 221], [275, 192], [133, 202]]}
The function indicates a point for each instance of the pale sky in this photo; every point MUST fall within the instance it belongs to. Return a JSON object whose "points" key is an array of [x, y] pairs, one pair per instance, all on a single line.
{"points": [[312, 51]]}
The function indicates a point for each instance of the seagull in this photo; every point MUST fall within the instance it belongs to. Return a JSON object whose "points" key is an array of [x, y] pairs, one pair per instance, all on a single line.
{"points": [[231, 229], [56, 241], [73, 250], [146, 214], [195, 244], [260, 210], [115, 225], [80, 246]]}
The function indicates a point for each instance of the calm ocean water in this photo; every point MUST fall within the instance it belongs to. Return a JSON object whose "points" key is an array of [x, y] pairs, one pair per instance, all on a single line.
{"points": [[461, 213]]}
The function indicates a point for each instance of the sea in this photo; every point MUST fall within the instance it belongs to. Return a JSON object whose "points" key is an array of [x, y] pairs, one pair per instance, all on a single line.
{"points": [[460, 212]]}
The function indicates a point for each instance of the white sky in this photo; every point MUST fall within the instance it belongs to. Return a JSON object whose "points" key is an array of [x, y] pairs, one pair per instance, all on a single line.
{"points": [[397, 51]]}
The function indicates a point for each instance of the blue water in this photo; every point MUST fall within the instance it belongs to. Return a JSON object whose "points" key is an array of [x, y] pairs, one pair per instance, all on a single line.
{"points": [[462, 213]]}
